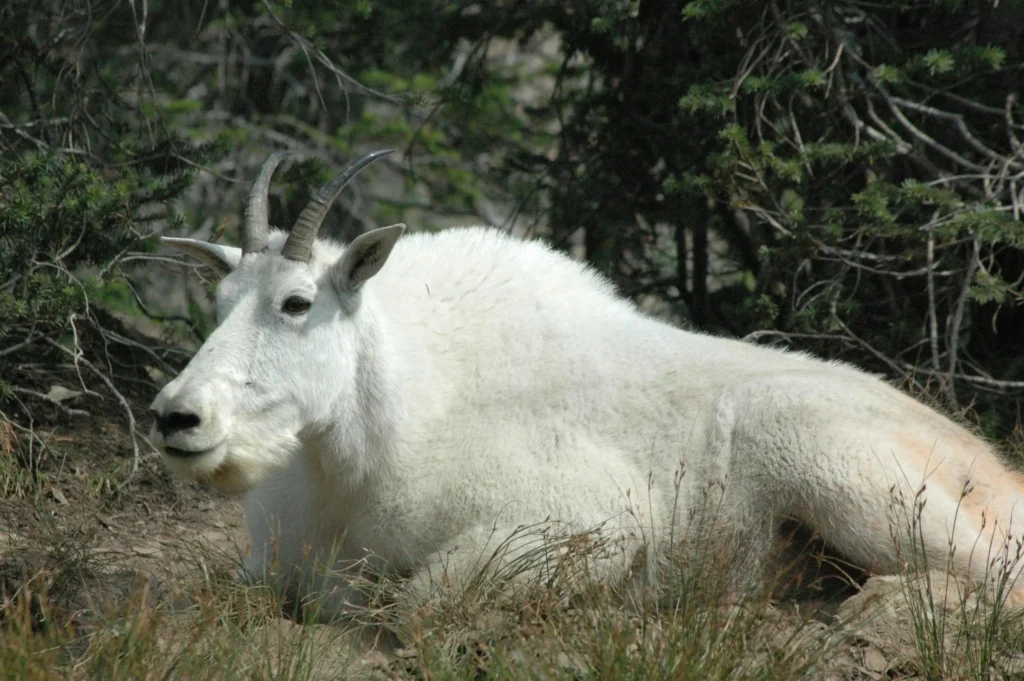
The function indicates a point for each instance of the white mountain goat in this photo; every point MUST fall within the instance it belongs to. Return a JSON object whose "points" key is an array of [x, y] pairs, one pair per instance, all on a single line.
{"points": [[414, 401]]}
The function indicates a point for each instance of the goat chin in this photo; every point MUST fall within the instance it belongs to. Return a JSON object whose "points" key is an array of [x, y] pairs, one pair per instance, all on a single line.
{"points": [[234, 476], [234, 467], [248, 463]]}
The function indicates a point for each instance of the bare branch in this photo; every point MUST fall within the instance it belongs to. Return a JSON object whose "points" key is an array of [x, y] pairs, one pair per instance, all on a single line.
{"points": [[958, 314], [957, 120], [41, 396], [135, 435], [325, 60], [933, 327]]}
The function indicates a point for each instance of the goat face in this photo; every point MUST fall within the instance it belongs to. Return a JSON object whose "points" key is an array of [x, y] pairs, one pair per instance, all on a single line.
{"points": [[284, 351]]}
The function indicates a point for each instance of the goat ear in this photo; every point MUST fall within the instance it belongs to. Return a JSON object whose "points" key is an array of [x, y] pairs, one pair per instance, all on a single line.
{"points": [[364, 257], [222, 259]]}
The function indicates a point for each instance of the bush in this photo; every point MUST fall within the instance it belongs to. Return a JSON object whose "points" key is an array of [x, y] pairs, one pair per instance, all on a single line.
{"points": [[85, 176]]}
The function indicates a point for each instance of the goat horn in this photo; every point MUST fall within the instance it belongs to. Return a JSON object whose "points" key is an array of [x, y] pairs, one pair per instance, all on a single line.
{"points": [[256, 228], [299, 245]]}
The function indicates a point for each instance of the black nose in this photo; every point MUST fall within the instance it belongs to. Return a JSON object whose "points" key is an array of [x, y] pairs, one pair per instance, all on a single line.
{"points": [[171, 423]]}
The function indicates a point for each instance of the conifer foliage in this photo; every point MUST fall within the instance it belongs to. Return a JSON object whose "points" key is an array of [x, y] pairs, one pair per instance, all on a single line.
{"points": [[841, 176]]}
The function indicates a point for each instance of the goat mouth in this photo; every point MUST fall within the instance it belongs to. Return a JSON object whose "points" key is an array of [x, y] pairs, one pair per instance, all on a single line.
{"points": [[185, 453]]}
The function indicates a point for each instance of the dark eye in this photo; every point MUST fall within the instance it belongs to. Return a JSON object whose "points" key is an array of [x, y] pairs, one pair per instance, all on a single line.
{"points": [[296, 305]]}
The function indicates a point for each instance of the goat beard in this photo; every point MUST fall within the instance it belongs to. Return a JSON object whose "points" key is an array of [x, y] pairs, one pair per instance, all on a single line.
{"points": [[241, 473], [229, 478]]}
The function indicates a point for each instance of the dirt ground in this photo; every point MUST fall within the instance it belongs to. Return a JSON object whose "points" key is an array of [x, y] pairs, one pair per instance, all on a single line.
{"points": [[142, 525], [79, 479]]}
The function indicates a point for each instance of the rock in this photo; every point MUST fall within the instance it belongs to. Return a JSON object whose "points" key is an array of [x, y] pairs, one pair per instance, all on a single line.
{"points": [[376, 659], [1012, 665], [573, 662], [156, 375], [516, 657], [214, 537], [874, 660], [101, 551], [105, 521], [147, 551]]}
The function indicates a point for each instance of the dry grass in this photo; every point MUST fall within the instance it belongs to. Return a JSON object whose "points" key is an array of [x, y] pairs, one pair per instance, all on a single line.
{"points": [[75, 614], [71, 609], [71, 613]]}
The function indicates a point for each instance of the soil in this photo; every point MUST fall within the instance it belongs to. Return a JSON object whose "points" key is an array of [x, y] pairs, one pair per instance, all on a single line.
{"points": [[79, 488]]}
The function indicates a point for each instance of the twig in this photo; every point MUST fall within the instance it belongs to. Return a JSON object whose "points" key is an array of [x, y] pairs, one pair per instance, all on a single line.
{"points": [[18, 346], [206, 169], [786, 335], [904, 367], [71, 249], [957, 120], [324, 59], [970, 378], [925, 137], [56, 403], [1011, 100], [33, 462], [893, 364], [958, 314], [128, 342], [191, 325], [140, 34], [7, 124], [963, 101], [933, 326], [146, 257], [78, 359]]}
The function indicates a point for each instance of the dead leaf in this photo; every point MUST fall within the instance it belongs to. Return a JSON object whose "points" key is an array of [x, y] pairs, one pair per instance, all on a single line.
{"points": [[59, 393]]}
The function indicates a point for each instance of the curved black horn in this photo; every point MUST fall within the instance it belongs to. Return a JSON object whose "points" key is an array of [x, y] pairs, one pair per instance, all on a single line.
{"points": [[299, 245], [256, 228]]}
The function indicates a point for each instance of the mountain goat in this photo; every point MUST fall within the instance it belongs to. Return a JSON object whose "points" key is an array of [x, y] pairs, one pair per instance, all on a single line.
{"points": [[414, 402]]}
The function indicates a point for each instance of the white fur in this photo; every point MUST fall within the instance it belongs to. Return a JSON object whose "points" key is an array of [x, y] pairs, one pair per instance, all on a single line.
{"points": [[479, 383]]}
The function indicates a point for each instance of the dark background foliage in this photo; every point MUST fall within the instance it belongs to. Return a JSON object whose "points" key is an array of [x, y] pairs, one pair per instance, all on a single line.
{"points": [[843, 177]]}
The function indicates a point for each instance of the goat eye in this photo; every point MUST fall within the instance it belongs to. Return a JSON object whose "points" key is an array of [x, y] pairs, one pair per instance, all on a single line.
{"points": [[296, 305]]}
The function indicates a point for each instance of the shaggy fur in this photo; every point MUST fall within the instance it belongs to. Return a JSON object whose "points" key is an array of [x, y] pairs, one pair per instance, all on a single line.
{"points": [[480, 383]]}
